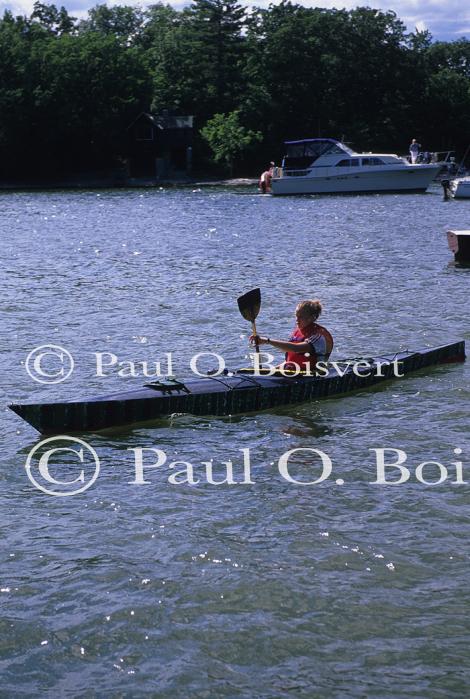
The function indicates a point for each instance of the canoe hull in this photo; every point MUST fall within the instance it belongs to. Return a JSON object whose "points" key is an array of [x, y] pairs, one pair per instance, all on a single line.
{"points": [[225, 395]]}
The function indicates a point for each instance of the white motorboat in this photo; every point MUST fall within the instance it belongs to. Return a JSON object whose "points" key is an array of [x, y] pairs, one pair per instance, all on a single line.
{"points": [[460, 187], [327, 166]]}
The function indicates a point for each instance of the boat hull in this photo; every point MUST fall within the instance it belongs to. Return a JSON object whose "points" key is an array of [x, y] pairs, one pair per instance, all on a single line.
{"points": [[327, 181], [225, 395], [460, 188]]}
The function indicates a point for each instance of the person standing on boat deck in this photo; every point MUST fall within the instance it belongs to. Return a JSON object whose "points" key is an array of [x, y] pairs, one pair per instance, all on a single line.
{"points": [[414, 150], [309, 343]]}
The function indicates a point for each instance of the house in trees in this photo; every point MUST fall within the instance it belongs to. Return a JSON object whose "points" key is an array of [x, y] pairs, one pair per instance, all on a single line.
{"points": [[159, 146]]}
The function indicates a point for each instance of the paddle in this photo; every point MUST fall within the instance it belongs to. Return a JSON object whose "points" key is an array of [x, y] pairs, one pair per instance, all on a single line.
{"points": [[249, 305]]}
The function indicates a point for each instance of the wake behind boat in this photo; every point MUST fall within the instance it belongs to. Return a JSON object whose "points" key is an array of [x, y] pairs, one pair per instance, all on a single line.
{"points": [[327, 166], [237, 393]]}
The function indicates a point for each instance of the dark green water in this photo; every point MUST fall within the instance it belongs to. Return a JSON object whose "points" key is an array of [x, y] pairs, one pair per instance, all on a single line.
{"points": [[264, 590]]}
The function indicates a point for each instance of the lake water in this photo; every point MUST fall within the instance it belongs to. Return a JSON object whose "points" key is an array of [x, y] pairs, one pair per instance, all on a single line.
{"points": [[263, 590]]}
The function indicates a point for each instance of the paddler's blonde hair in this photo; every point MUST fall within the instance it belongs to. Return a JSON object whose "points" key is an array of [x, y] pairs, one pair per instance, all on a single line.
{"points": [[311, 307]]}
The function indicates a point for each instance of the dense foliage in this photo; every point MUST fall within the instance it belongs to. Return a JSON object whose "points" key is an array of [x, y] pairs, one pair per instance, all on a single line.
{"points": [[227, 138], [69, 88]]}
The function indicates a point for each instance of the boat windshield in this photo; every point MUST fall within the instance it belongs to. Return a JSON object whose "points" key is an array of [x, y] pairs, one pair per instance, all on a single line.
{"points": [[301, 154]]}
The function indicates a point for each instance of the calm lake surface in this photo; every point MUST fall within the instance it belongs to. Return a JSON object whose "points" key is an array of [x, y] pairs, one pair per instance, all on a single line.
{"points": [[264, 590]]}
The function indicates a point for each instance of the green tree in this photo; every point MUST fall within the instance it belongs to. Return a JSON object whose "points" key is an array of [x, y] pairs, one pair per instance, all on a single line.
{"points": [[55, 21], [331, 73], [68, 90], [446, 86], [88, 89], [15, 91], [284, 71], [197, 58], [227, 138], [164, 40], [217, 45], [123, 22]]}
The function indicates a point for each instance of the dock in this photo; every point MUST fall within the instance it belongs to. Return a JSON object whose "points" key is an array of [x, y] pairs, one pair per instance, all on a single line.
{"points": [[459, 243]]}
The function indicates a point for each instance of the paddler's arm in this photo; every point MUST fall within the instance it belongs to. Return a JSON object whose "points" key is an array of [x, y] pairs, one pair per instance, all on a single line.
{"points": [[299, 347]]}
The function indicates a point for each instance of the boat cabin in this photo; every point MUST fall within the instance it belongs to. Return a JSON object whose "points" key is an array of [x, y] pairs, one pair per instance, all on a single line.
{"points": [[302, 154]]}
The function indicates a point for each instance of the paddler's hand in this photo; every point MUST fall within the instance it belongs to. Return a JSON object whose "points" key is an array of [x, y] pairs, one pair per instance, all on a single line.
{"points": [[257, 339]]}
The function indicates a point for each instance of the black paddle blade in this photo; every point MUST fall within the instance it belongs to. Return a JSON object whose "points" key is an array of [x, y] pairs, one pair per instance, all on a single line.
{"points": [[249, 304]]}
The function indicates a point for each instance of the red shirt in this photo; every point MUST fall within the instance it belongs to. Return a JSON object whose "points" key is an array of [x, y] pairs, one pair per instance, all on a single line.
{"points": [[320, 341]]}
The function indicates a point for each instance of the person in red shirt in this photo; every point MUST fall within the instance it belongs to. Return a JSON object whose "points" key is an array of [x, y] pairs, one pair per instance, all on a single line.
{"points": [[309, 342]]}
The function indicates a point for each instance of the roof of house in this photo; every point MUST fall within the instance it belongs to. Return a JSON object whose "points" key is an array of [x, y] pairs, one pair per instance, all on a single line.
{"points": [[166, 121]]}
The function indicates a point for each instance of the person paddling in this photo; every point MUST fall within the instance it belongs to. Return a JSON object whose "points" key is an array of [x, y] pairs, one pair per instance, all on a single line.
{"points": [[309, 342]]}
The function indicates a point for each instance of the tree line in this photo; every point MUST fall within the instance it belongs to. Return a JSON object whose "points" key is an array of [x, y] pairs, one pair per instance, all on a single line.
{"points": [[69, 87]]}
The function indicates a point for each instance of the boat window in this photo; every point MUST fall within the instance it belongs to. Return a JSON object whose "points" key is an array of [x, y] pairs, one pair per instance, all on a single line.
{"points": [[296, 151], [372, 161], [303, 154], [348, 162], [311, 149]]}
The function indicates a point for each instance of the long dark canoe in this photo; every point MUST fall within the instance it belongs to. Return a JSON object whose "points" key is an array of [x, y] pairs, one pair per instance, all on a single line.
{"points": [[236, 393]]}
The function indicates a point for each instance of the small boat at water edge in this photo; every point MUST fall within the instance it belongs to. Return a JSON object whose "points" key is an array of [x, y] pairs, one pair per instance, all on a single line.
{"points": [[327, 166], [231, 394], [460, 187]]}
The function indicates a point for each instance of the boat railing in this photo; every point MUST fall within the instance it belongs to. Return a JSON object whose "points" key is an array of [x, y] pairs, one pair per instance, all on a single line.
{"points": [[438, 157], [443, 156]]}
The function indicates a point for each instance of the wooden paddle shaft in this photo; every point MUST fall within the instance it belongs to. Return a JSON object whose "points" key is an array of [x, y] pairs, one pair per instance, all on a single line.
{"points": [[253, 325]]}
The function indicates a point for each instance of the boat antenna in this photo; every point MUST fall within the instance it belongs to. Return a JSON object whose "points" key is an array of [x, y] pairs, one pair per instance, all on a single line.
{"points": [[464, 158]]}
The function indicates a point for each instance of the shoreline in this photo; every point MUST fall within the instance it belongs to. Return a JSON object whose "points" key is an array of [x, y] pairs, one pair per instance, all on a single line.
{"points": [[130, 183]]}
